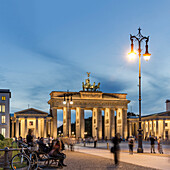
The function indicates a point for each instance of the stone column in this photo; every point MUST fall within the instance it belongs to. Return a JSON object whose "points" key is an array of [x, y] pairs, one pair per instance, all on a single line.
{"points": [[49, 127], [94, 122], [45, 128], [144, 130], [12, 129], [78, 132], [69, 121], [82, 124], [17, 127], [124, 123], [26, 127], [107, 123], [130, 128], [65, 122], [99, 112], [112, 122], [54, 130], [120, 121], [36, 125], [163, 132]]}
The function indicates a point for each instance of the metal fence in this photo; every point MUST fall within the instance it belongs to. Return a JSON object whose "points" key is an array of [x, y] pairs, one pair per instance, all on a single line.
{"points": [[6, 157]]}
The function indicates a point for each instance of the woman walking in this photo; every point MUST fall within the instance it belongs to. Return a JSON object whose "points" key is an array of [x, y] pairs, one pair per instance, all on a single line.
{"points": [[160, 150]]}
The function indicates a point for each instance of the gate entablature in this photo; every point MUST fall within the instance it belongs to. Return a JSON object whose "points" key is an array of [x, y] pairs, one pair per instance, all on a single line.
{"points": [[89, 99]]}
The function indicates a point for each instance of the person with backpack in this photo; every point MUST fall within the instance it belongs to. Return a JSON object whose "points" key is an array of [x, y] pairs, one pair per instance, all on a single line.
{"points": [[131, 144]]}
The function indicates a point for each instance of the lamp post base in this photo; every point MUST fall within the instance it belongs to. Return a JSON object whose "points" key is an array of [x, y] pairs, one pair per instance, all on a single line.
{"points": [[140, 150]]}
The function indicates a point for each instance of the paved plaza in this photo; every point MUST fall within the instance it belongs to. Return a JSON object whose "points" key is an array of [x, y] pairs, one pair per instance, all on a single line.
{"points": [[82, 161], [101, 158]]}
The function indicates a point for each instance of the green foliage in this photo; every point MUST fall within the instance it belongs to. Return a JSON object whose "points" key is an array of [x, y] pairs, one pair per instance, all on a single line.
{"points": [[7, 142], [1, 137]]}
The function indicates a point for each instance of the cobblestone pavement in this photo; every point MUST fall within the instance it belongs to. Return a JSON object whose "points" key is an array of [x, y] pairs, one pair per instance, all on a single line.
{"points": [[81, 161]]}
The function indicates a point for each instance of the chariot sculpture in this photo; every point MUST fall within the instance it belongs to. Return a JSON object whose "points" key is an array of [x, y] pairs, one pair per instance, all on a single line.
{"points": [[88, 87]]}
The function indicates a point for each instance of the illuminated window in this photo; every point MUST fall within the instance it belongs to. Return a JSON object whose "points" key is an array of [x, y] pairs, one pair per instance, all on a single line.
{"points": [[3, 131], [3, 119], [3, 108], [31, 123], [3, 98]]}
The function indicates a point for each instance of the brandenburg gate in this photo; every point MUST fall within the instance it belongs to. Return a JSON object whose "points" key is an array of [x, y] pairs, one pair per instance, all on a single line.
{"points": [[114, 106]]}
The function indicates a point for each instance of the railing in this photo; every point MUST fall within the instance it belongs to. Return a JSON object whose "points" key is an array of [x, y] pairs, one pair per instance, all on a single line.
{"points": [[6, 157]]}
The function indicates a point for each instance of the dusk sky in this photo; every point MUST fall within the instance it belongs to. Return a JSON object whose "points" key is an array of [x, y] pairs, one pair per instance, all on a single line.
{"points": [[50, 45]]}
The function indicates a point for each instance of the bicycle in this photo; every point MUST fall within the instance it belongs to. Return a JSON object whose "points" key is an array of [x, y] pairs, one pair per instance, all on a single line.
{"points": [[26, 159]]}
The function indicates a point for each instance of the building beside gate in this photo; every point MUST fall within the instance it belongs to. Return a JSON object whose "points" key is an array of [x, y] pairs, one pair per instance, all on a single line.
{"points": [[5, 96], [90, 98], [40, 123], [157, 124]]}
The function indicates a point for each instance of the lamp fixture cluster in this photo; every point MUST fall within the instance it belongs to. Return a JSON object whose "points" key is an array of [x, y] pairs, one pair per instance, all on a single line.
{"points": [[68, 99], [139, 37]]}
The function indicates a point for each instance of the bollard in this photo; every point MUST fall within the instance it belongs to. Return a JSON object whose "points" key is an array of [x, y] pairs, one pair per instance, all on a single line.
{"points": [[6, 161], [107, 145]]}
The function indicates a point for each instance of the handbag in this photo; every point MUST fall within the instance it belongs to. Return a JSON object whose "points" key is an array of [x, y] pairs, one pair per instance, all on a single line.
{"points": [[112, 150]]}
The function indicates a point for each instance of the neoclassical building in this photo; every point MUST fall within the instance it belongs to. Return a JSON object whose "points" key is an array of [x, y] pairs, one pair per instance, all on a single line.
{"points": [[40, 122], [90, 98], [157, 124]]}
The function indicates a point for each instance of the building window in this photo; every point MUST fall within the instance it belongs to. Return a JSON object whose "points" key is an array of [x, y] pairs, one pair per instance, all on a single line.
{"points": [[3, 119], [31, 123], [2, 108], [3, 98], [166, 124], [3, 131]]}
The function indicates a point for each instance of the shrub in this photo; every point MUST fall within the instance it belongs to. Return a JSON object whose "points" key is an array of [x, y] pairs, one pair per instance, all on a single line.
{"points": [[1, 137]]}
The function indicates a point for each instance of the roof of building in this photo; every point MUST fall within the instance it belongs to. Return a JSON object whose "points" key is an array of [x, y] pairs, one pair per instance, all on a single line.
{"points": [[5, 91], [30, 110]]}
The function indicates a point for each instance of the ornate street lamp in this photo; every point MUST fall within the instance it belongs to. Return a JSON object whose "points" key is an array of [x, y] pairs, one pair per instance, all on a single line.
{"points": [[139, 38], [68, 101]]}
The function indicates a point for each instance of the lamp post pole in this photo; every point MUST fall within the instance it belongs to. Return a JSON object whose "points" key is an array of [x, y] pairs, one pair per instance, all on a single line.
{"points": [[139, 38]]}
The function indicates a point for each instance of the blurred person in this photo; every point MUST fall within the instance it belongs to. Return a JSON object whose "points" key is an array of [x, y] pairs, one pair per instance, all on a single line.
{"points": [[29, 138], [55, 152], [116, 140], [152, 140], [160, 150], [95, 141], [131, 144], [49, 140]]}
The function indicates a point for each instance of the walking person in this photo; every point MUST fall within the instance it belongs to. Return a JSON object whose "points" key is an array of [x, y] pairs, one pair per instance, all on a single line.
{"points": [[152, 139], [131, 144], [95, 141], [160, 150], [116, 140]]}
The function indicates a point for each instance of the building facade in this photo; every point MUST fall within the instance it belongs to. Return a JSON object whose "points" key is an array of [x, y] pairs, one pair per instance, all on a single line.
{"points": [[157, 124], [5, 96], [40, 123]]}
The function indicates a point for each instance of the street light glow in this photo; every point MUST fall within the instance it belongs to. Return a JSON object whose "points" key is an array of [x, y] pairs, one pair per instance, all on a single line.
{"points": [[132, 55], [146, 56]]}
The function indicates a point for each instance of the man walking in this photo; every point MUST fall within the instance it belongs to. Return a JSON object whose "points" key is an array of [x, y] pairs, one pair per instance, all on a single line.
{"points": [[116, 140], [131, 144], [152, 140]]}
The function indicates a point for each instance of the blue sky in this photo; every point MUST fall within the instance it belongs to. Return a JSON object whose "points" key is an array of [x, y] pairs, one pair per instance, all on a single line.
{"points": [[50, 45]]}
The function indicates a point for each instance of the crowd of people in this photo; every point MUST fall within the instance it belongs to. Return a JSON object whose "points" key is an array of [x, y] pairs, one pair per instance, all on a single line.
{"points": [[53, 147]]}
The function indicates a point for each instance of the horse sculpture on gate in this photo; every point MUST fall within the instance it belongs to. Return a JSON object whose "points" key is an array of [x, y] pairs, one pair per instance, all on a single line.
{"points": [[88, 87]]}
